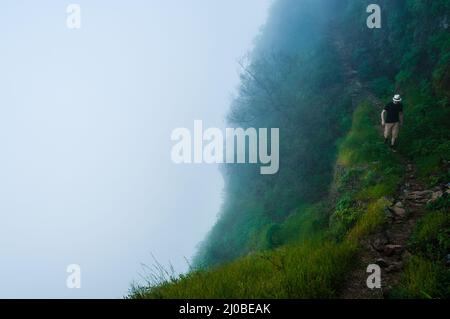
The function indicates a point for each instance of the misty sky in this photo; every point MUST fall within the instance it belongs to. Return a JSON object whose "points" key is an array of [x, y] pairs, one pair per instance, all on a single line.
{"points": [[85, 121]]}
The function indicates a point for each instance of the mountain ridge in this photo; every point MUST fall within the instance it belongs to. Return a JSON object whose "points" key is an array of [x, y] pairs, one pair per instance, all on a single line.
{"points": [[299, 234]]}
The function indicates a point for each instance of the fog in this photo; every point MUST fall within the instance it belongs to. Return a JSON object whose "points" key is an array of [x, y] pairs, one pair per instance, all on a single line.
{"points": [[85, 122]]}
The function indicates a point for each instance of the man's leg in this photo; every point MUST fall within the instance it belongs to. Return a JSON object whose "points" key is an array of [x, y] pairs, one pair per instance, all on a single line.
{"points": [[387, 131], [395, 131]]}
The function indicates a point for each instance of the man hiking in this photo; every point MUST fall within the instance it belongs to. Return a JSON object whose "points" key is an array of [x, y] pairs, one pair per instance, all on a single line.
{"points": [[392, 119]]}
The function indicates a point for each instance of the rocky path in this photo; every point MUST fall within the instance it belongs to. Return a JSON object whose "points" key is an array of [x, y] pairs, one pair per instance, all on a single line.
{"points": [[388, 247]]}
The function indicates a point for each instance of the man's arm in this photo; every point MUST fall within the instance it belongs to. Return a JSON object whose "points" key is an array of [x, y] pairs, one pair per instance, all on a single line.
{"points": [[383, 117]]}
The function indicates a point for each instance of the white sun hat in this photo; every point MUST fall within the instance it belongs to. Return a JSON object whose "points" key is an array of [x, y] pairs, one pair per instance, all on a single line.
{"points": [[397, 98]]}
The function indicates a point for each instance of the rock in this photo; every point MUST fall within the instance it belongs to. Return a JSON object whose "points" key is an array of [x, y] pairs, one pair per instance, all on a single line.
{"points": [[420, 200], [419, 194], [382, 263], [399, 212], [390, 250], [394, 267], [437, 195], [416, 204], [399, 204], [380, 242]]}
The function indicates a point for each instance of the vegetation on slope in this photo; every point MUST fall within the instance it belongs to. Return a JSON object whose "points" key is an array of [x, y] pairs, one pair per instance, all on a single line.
{"points": [[313, 266], [426, 274], [295, 80], [293, 235]]}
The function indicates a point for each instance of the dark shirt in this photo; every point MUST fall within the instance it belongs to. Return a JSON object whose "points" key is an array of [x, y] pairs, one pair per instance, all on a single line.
{"points": [[393, 112]]}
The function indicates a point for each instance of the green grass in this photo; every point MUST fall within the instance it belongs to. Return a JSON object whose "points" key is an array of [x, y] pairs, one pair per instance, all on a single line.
{"points": [[311, 270], [305, 222], [423, 279], [426, 275], [432, 236], [368, 173], [363, 151], [374, 217], [424, 137]]}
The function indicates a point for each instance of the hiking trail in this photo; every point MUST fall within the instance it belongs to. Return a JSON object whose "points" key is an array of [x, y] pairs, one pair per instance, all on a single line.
{"points": [[388, 246]]}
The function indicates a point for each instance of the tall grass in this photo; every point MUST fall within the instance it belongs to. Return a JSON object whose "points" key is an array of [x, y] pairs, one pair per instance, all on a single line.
{"points": [[310, 270], [426, 274], [423, 279]]}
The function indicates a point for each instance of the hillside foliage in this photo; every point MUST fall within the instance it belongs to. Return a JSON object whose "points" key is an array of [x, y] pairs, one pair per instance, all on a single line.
{"points": [[293, 235]]}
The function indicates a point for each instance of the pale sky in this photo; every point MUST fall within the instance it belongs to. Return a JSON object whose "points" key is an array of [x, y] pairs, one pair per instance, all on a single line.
{"points": [[85, 122]]}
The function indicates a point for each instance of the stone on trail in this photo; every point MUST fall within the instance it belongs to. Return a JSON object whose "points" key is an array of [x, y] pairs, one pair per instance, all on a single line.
{"points": [[390, 250], [420, 194], [398, 211], [399, 204], [380, 242], [382, 263], [395, 266], [437, 195]]}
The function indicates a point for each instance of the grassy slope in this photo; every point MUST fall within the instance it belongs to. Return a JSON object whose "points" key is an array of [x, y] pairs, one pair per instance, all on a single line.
{"points": [[306, 268], [409, 55], [426, 275]]}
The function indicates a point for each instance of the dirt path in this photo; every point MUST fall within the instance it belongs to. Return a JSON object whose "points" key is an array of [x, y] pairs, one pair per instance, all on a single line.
{"points": [[388, 247]]}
